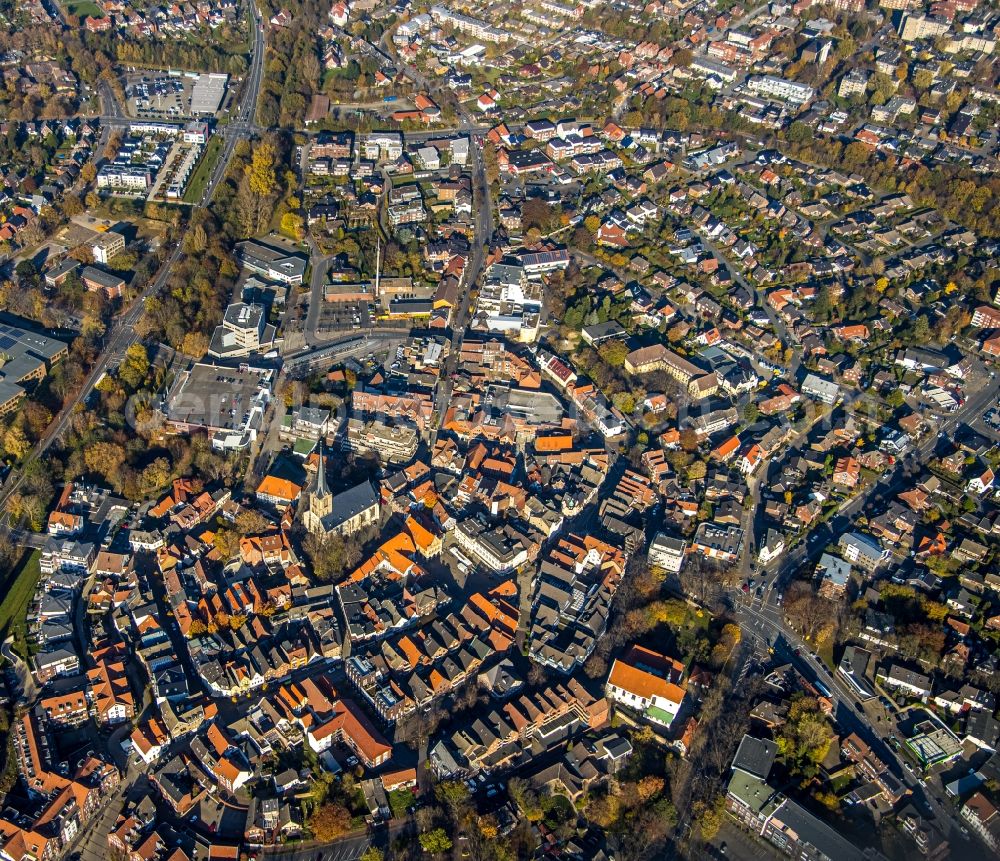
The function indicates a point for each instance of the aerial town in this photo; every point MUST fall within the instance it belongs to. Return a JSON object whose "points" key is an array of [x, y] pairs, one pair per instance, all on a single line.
{"points": [[499, 431]]}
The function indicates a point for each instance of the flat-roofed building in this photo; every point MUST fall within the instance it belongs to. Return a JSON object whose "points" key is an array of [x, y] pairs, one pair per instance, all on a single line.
{"points": [[244, 330], [208, 93], [667, 552], [271, 261], [227, 402], [107, 245], [25, 358], [393, 443]]}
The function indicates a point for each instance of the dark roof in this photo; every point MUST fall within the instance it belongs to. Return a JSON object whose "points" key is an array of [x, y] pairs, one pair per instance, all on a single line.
{"points": [[352, 502], [99, 276], [755, 756]]}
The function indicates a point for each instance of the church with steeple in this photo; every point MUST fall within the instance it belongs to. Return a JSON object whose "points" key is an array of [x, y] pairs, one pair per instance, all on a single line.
{"points": [[342, 514]]}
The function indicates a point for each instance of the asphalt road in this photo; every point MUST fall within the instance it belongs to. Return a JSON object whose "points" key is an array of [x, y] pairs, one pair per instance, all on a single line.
{"points": [[122, 333], [348, 848], [762, 619]]}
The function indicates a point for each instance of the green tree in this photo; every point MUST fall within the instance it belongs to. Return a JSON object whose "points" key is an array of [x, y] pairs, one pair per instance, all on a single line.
{"points": [[328, 555], [435, 842], [614, 353], [697, 470], [134, 367], [805, 738]]}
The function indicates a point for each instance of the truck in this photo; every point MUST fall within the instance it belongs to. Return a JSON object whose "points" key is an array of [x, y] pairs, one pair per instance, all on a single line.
{"points": [[389, 99]]}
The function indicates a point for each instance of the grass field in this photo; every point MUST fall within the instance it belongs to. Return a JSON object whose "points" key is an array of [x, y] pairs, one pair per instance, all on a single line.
{"points": [[17, 592], [202, 173], [83, 8]]}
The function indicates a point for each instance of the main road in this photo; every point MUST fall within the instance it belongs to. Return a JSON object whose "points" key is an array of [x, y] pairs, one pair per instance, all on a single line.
{"points": [[762, 619], [122, 333]]}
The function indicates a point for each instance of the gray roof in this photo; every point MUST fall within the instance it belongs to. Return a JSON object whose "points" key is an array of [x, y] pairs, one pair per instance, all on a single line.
{"points": [[99, 276], [755, 756], [817, 833], [352, 502]]}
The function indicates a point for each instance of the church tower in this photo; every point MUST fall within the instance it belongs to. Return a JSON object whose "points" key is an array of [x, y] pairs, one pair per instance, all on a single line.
{"points": [[320, 499]]}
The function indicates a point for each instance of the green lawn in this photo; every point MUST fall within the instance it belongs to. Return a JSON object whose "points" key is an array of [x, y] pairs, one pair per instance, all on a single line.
{"points": [[83, 8], [400, 800], [202, 173], [18, 590]]}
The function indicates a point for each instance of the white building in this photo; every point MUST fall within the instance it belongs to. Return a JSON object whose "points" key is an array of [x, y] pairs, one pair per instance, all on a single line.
{"points": [[667, 553], [779, 88], [649, 683]]}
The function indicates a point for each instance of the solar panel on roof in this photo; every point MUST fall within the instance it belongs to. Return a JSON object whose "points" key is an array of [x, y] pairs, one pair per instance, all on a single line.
{"points": [[6, 343]]}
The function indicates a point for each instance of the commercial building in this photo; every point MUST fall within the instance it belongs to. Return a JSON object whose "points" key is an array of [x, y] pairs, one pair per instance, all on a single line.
{"points": [[244, 330], [25, 358], [207, 93], [500, 549], [229, 403], [272, 262], [718, 542], [393, 443]]}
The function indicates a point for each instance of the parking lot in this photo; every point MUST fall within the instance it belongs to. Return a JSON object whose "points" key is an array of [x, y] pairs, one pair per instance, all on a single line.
{"points": [[154, 94], [343, 317]]}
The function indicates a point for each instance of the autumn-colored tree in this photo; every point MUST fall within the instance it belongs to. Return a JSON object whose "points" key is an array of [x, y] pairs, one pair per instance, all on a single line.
{"points": [[251, 522], [194, 344], [16, 443], [525, 798], [709, 816], [105, 458], [603, 810], [697, 470], [329, 822], [614, 353], [227, 542], [27, 506], [649, 787], [292, 225], [260, 172], [155, 476]]}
